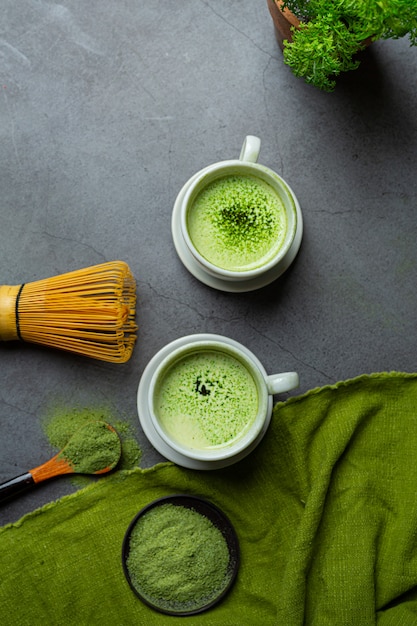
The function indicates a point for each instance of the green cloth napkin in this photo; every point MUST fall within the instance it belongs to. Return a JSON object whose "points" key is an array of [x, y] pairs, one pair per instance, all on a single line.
{"points": [[325, 509]]}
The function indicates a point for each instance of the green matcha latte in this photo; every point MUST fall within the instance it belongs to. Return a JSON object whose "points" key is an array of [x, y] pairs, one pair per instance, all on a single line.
{"points": [[205, 400], [237, 223]]}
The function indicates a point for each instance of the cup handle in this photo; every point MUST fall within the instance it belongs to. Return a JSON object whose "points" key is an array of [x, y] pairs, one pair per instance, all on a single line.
{"points": [[250, 149], [278, 383]]}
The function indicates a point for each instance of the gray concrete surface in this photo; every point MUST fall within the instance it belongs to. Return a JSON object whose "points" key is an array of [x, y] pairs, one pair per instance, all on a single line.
{"points": [[108, 107]]}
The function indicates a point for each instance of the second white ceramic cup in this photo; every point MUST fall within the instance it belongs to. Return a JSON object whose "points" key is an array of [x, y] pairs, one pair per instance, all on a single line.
{"points": [[175, 355]]}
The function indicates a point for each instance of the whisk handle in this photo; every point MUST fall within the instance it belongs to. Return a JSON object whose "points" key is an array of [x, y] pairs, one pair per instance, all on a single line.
{"points": [[9, 298], [15, 485]]}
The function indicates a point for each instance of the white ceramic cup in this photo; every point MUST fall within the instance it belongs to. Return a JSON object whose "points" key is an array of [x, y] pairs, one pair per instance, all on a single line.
{"points": [[277, 261], [182, 450]]}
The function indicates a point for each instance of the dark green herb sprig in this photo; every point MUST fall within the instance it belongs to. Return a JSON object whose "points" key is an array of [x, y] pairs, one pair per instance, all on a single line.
{"points": [[333, 31]]}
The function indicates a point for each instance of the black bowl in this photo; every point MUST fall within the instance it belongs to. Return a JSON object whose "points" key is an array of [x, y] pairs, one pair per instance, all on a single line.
{"points": [[219, 520]]}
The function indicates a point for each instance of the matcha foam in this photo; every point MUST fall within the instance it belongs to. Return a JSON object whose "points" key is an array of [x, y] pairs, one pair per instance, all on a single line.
{"points": [[207, 399], [237, 223]]}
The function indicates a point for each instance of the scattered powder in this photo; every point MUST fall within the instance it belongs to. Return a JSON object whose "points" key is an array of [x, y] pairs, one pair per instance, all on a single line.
{"points": [[131, 452], [61, 423], [92, 448], [177, 559]]}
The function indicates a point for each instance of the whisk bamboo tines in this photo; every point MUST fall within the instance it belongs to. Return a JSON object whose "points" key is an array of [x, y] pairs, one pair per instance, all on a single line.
{"points": [[89, 311]]}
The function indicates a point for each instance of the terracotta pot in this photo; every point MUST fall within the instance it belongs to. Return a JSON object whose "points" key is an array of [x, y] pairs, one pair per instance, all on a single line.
{"points": [[283, 20]]}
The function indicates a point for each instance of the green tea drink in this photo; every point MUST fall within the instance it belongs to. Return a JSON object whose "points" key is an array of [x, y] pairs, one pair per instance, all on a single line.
{"points": [[206, 400], [237, 223]]}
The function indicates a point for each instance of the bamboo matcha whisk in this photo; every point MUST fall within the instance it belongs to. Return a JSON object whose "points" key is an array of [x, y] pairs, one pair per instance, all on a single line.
{"points": [[90, 311]]}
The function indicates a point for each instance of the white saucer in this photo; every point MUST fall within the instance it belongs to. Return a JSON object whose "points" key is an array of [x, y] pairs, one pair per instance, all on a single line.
{"points": [[226, 285], [149, 429]]}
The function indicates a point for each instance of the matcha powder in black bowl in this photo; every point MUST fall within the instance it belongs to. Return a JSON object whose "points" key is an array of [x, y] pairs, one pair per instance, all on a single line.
{"points": [[180, 555]]}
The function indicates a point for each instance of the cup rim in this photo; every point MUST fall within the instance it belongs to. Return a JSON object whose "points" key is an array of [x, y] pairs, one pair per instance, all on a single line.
{"points": [[245, 357], [248, 169]]}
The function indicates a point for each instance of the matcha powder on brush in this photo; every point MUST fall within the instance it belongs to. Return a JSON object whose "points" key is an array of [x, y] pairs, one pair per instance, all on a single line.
{"points": [[177, 560]]}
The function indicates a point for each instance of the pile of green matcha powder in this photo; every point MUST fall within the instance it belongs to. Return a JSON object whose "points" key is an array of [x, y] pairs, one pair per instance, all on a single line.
{"points": [[93, 448], [177, 559], [82, 435]]}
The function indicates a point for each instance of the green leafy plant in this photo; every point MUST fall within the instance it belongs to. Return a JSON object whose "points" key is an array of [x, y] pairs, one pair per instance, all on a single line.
{"points": [[331, 32]]}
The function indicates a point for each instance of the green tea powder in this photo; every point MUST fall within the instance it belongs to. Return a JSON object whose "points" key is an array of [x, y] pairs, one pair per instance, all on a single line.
{"points": [[92, 448], [62, 423], [178, 559]]}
